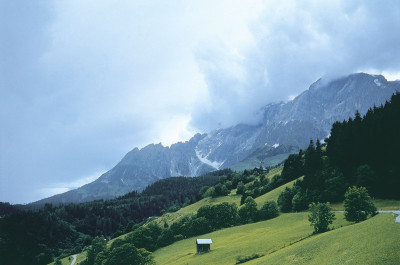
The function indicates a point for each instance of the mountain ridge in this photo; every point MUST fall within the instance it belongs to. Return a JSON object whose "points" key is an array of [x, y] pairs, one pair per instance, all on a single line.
{"points": [[288, 125]]}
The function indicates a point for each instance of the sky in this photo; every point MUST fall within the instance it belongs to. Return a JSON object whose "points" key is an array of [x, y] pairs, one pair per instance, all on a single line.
{"points": [[84, 82]]}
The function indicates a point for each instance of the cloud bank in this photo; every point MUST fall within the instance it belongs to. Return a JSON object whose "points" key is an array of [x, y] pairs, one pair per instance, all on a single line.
{"points": [[82, 83], [294, 44]]}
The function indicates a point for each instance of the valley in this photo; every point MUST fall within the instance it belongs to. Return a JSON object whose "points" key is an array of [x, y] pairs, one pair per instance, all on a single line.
{"points": [[254, 215]]}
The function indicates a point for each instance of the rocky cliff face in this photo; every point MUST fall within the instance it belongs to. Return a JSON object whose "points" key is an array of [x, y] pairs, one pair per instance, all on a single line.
{"points": [[285, 128]]}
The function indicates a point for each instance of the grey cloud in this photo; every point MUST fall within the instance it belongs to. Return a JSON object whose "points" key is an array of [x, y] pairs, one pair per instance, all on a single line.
{"points": [[296, 43], [82, 83]]}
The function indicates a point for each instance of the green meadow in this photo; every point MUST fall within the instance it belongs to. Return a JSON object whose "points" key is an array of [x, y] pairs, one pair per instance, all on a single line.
{"points": [[262, 238], [273, 194], [287, 239], [375, 241]]}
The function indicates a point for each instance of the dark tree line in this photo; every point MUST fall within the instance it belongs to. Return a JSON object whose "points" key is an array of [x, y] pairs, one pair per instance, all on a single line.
{"points": [[363, 151], [35, 237], [366, 149]]}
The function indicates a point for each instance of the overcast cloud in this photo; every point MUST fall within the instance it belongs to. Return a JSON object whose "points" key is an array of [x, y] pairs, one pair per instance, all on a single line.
{"points": [[84, 82]]}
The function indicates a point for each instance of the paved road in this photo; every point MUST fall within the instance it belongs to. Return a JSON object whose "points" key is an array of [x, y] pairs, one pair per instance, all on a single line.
{"points": [[74, 260], [397, 220]]}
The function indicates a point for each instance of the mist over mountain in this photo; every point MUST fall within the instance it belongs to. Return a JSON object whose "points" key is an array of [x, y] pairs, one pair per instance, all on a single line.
{"points": [[285, 128]]}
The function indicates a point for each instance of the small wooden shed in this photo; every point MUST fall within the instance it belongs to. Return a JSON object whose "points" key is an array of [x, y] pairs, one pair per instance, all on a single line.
{"points": [[203, 245]]}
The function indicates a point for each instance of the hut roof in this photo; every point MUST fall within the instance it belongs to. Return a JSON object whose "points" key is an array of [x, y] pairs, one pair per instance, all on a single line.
{"points": [[203, 241]]}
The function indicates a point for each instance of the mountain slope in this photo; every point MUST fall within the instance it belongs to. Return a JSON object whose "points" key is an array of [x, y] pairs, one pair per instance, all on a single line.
{"points": [[284, 129], [287, 240]]}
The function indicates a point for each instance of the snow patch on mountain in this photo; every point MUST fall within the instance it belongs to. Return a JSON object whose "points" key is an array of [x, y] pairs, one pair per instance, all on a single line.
{"points": [[377, 82], [204, 159]]}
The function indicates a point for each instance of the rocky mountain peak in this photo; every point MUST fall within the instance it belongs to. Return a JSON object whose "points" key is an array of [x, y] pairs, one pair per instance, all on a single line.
{"points": [[285, 128]]}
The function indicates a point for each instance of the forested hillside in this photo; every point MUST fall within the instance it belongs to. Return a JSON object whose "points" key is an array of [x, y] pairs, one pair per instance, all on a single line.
{"points": [[359, 152], [35, 237], [363, 151]]}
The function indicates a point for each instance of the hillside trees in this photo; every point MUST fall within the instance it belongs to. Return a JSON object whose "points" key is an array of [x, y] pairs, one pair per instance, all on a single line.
{"points": [[359, 152], [219, 215], [269, 210], [120, 253], [366, 149], [98, 245], [128, 254], [320, 217], [248, 211], [35, 237], [293, 167], [285, 200], [358, 204]]}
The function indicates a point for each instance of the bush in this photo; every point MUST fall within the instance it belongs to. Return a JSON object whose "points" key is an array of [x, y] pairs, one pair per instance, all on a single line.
{"points": [[166, 238], [220, 190], [220, 215], [299, 202], [285, 200], [269, 210], [210, 192], [240, 188], [203, 191], [321, 217], [243, 259], [128, 254], [248, 212], [358, 204]]}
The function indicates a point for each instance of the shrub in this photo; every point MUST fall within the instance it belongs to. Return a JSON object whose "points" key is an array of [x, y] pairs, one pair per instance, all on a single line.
{"points": [[299, 202], [210, 192], [321, 217], [243, 259], [220, 190], [240, 188], [269, 210], [285, 200], [248, 212], [358, 204]]}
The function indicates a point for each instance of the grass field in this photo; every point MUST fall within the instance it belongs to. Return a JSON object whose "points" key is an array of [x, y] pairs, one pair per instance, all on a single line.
{"points": [[285, 240], [258, 238], [273, 194], [375, 241], [273, 172]]}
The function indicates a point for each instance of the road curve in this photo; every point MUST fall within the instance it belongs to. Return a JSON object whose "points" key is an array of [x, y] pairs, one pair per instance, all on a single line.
{"points": [[74, 260]]}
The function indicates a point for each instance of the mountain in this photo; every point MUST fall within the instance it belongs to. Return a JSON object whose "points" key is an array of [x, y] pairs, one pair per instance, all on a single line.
{"points": [[285, 128]]}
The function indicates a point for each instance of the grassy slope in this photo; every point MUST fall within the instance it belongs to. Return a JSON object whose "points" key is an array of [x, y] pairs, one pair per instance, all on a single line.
{"points": [[375, 241], [273, 194], [289, 227], [231, 198], [274, 171], [261, 238]]}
